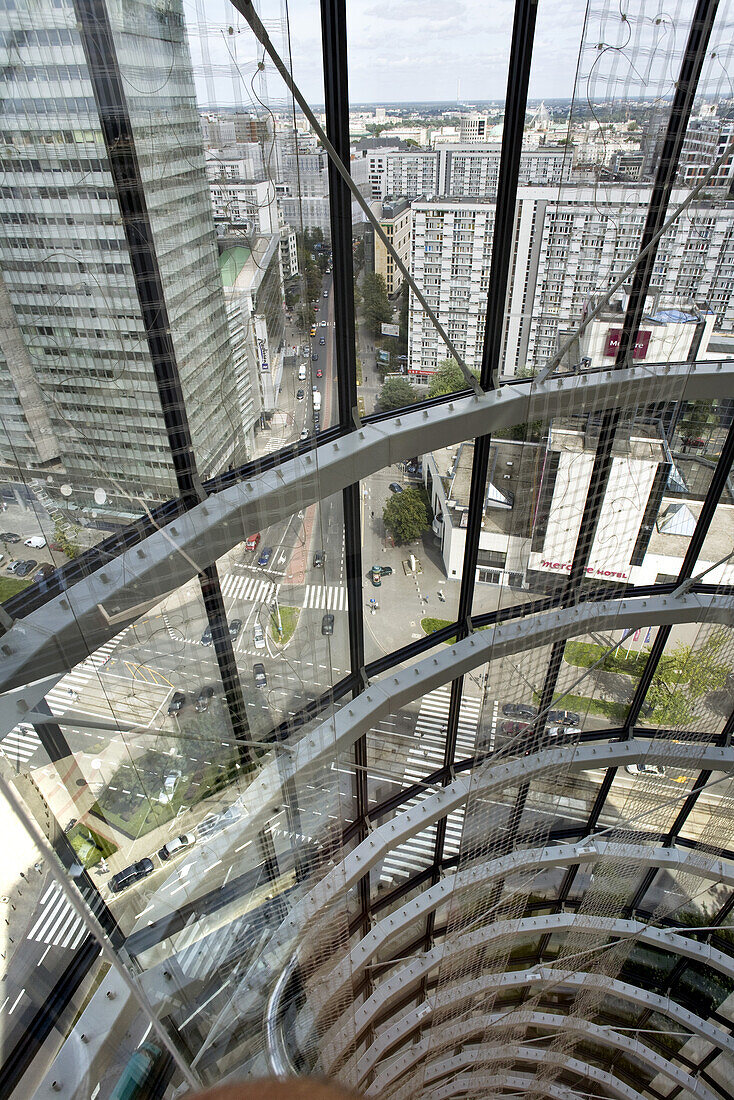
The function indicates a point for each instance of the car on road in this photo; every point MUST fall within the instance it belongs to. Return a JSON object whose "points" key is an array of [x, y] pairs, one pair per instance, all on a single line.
{"points": [[206, 638], [646, 769], [178, 844], [394, 487], [327, 624], [9, 536], [519, 710], [319, 372], [44, 570], [131, 874], [12, 566], [258, 637], [315, 357], [322, 324], [304, 433], [305, 350], [26, 567], [204, 698], [265, 556], [313, 330], [512, 729], [252, 542], [35, 542], [300, 395], [326, 294], [178, 700], [258, 672], [318, 559], [563, 718], [322, 340], [234, 629]]}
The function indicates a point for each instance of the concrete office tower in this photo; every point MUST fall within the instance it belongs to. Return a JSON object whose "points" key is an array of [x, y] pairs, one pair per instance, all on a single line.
{"points": [[568, 248], [77, 379]]}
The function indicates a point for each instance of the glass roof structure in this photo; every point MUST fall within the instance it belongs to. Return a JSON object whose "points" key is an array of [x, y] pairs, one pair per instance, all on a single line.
{"points": [[366, 636]]}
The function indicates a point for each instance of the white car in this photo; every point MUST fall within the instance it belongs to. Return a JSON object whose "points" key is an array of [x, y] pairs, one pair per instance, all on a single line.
{"points": [[322, 324], [646, 769], [178, 844], [35, 542], [258, 636], [559, 731]]}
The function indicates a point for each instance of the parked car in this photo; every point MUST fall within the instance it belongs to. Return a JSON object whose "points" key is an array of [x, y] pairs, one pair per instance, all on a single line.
{"points": [[300, 395], [131, 874], [322, 340], [258, 671], [646, 769], [304, 433], [253, 541], [178, 844], [206, 638], [319, 372], [235, 627], [327, 624], [2, 558], [35, 542], [519, 710], [562, 718], [512, 729], [265, 556], [178, 700], [26, 567], [561, 731], [377, 572], [394, 487], [204, 698], [258, 636], [318, 559], [12, 566], [313, 330], [9, 536], [45, 570]]}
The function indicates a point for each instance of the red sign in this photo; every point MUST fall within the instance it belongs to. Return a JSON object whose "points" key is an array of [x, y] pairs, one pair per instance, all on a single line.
{"points": [[611, 573], [615, 335]]}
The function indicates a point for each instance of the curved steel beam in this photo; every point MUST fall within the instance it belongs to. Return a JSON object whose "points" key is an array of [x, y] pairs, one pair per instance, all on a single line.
{"points": [[348, 971], [504, 1052], [456, 1034], [335, 1045], [514, 1083], [339, 732], [358, 1067], [69, 627]]}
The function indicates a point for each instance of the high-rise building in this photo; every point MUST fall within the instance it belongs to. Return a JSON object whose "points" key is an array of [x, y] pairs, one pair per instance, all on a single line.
{"points": [[79, 379]]}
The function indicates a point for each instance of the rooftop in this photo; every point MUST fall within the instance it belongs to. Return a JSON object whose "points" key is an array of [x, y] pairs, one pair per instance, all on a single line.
{"points": [[232, 262]]}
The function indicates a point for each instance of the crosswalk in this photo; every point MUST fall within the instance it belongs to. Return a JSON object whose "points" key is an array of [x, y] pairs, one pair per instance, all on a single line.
{"points": [[257, 589], [22, 742], [426, 756], [59, 925], [327, 597]]}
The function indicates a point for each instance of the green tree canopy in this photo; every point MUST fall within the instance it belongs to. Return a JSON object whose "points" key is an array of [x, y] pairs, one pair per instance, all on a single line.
{"points": [[396, 393], [695, 419], [376, 307], [407, 515], [686, 674], [449, 378]]}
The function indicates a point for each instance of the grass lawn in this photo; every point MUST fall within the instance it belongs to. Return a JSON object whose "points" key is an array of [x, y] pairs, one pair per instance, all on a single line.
{"points": [[430, 626], [89, 845], [289, 622], [585, 654], [10, 585]]}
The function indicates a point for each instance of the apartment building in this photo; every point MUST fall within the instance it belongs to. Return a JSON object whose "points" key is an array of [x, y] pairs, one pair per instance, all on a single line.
{"points": [[394, 218], [568, 248]]}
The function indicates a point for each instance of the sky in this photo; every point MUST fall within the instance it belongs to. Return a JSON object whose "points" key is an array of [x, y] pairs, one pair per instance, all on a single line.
{"points": [[434, 50]]}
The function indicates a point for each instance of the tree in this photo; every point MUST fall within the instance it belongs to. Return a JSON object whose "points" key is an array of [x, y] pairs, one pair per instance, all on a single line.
{"points": [[407, 515], [304, 316], [695, 419], [396, 393], [684, 675], [376, 307], [67, 538], [448, 379]]}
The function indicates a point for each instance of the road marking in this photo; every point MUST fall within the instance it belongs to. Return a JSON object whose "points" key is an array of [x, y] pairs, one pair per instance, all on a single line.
{"points": [[43, 956], [15, 1003], [325, 597], [59, 925]]}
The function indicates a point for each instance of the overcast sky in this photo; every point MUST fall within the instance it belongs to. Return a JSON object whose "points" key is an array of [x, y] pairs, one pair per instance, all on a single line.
{"points": [[438, 50]]}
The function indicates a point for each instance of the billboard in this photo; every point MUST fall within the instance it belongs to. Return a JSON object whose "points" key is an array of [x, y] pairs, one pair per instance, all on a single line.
{"points": [[614, 335], [390, 330]]}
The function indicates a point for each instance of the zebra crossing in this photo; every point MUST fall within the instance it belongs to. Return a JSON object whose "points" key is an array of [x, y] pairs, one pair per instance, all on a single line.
{"points": [[326, 597], [256, 589], [22, 742], [426, 756], [200, 957], [59, 925]]}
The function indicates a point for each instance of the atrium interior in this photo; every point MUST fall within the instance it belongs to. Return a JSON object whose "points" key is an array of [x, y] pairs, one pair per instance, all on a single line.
{"points": [[367, 592]]}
